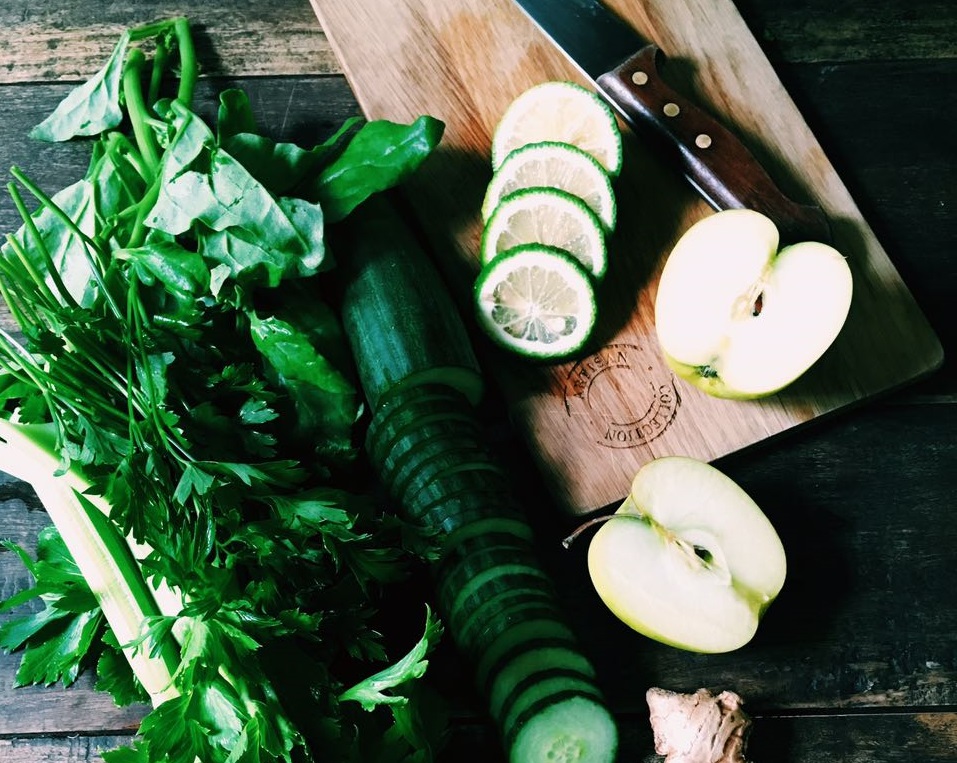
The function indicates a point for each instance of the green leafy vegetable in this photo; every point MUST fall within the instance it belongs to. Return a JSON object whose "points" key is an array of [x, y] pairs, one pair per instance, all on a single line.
{"points": [[180, 396]]}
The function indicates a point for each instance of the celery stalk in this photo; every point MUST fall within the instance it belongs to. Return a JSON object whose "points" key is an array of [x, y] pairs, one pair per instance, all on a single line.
{"points": [[103, 556]]}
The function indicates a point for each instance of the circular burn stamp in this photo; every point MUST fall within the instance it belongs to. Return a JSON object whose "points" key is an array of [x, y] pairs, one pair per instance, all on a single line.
{"points": [[601, 391]]}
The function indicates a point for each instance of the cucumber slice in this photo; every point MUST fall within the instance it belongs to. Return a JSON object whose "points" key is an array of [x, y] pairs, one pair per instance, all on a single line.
{"points": [[454, 485], [502, 578], [480, 525], [422, 471], [457, 570], [543, 688], [478, 628], [529, 666], [547, 631], [443, 468], [569, 728], [416, 448], [485, 502], [409, 413]]}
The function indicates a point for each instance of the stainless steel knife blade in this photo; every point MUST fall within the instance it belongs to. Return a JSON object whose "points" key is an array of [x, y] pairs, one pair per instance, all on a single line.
{"points": [[624, 68]]}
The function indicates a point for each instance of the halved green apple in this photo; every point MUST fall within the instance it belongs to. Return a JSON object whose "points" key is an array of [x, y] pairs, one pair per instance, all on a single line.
{"points": [[688, 559], [738, 318]]}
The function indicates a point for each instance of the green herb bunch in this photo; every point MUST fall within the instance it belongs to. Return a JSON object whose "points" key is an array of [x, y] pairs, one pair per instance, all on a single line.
{"points": [[180, 394]]}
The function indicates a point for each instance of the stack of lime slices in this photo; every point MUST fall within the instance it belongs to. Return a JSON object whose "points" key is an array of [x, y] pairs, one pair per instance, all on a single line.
{"points": [[547, 212]]}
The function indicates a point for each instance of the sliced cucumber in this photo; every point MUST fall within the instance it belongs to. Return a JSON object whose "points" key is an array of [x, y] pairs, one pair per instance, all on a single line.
{"points": [[423, 471], [541, 690], [521, 574], [483, 526], [546, 631], [456, 570], [441, 469], [520, 577], [480, 626], [413, 451], [466, 507], [529, 664], [456, 484], [568, 728], [401, 417], [420, 378]]}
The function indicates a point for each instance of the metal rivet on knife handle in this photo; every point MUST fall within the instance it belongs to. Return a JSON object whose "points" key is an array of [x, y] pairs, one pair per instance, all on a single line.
{"points": [[671, 110], [640, 78], [703, 141]]}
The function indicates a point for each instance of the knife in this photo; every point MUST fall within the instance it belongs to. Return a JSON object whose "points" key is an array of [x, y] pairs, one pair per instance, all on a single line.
{"points": [[624, 68]]}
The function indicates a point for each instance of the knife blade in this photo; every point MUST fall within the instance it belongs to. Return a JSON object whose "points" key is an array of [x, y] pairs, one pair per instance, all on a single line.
{"points": [[625, 69]]}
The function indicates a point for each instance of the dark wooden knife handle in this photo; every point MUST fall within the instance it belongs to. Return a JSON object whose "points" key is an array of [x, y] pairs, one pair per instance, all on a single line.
{"points": [[715, 161]]}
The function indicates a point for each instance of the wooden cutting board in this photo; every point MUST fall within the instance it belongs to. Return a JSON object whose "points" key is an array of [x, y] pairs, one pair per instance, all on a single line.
{"points": [[593, 422]]}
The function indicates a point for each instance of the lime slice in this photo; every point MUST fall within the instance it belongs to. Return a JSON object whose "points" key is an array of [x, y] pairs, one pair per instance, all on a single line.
{"points": [[536, 301], [562, 112], [554, 165], [551, 217]]}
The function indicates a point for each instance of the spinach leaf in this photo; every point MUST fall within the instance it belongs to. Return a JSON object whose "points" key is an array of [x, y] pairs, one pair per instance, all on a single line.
{"points": [[281, 167], [381, 155], [237, 222], [92, 107], [66, 250]]}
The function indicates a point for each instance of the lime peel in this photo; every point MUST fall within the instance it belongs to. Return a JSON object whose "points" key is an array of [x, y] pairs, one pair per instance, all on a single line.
{"points": [[537, 301]]}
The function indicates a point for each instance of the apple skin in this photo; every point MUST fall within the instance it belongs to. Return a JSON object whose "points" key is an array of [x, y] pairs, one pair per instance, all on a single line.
{"points": [[688, 559], [738, 318]]}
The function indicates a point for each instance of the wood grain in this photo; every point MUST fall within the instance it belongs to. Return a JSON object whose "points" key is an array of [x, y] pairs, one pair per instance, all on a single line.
{"points": [[60, 41], [43, 41], [595, 421]]}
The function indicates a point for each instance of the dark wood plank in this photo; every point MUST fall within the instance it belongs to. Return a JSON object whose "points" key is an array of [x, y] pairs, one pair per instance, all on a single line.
{"points": [[42, 42], [856, 30], [72, 749], [911, 738], [68, 40], [916, 738]]}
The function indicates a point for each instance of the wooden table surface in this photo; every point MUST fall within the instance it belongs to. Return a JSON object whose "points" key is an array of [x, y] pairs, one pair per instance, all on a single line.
{"points": [[857, 661]]}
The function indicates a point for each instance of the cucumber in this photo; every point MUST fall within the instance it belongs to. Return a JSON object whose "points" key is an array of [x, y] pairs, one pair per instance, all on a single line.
{"points": [[478, 628], [410, 414], [412, 452], [490, 581], [421, 471], [543, 632], [514, 676], [422, 383], [541, 688], [446, 467], [456, 511], [480, 525], [457, 571], [569, 728], [402, 325], [457, 485]]}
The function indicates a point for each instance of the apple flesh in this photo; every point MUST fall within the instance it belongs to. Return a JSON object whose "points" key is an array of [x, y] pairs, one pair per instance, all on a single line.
{"points": [[688, 559], [738, 318]]}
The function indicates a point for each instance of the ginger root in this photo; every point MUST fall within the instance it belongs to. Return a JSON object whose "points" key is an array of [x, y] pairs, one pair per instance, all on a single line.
{"points": [[699, 727]]}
